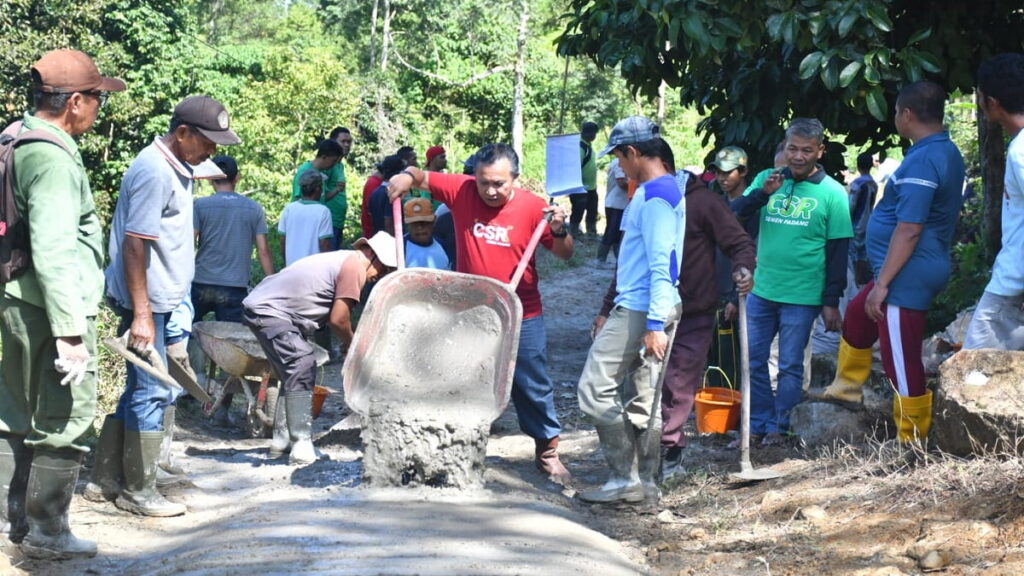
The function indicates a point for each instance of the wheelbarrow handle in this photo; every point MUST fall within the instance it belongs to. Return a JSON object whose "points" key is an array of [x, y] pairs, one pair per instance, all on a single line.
{"points": [[528, 253], [396, 216]]}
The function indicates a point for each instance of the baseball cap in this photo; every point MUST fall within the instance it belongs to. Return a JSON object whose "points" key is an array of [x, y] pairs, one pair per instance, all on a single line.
{"points": [[470, 163], [209, 117], [589, 129], [418, 210], [632, 130], [227, 165], [65, 71], [383, 245], [433, 152], [730, 158]]}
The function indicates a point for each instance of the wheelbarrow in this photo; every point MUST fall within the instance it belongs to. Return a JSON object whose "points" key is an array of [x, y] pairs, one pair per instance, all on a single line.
{"points": [[233, 349], [436, 342]]}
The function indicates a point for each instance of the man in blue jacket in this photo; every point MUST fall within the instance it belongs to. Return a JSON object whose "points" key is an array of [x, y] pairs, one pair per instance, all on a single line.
{"points": [[634, 338]]}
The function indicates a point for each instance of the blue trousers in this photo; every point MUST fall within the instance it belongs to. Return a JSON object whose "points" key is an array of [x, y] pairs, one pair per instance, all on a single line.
{"points": [[224, 301], [769, 411], [145, 398], [533, 393]]}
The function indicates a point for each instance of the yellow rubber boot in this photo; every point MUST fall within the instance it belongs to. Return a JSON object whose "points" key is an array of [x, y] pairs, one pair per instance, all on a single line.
{"points": [[913, 416], [852, 371]]}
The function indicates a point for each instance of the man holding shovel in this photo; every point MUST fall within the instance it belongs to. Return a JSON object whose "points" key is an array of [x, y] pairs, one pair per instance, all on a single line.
{"points": [[634, 340], [493, 225]]}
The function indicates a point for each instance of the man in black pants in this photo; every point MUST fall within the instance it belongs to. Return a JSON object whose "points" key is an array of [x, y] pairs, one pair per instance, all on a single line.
{"points": [[586, 202]]}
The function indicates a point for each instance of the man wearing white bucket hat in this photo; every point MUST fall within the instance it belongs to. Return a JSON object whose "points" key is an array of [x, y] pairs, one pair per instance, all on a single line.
{"points": [[288, 307]]}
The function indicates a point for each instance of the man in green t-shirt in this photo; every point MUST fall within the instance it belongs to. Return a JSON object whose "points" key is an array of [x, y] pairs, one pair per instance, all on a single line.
{"points": [[586, 202], [328, 162], [802, 246]]}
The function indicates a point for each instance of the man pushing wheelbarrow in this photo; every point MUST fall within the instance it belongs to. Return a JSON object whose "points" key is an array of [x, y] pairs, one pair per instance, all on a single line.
{"points": [[287, 307], [494, 222]]}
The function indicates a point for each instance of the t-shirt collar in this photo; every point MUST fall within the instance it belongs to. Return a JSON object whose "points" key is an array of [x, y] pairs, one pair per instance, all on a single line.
{"points": [[179, 166], [938, 136]]}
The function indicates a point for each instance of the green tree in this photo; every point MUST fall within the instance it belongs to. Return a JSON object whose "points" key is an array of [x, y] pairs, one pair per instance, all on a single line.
{"points": [[751, 66]]}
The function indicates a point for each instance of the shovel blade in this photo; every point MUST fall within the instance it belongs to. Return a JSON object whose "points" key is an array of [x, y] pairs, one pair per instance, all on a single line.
{"points": [[184, 377], [756, 475]]}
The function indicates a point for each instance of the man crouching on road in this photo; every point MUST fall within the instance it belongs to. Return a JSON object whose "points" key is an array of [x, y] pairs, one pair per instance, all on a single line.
{"points": [[493, 225], [288, 307], [647, 306]]}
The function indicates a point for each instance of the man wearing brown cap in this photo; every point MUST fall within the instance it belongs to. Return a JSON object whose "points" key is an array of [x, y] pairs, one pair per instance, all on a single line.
{"points": [[48, 314], [152, 261]]}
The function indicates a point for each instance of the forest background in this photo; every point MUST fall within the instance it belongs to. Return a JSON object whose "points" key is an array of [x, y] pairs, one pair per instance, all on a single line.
{"points": [[469, 72]]}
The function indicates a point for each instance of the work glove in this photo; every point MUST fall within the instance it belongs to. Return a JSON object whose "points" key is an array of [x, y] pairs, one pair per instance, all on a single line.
{"points": [[72, 360]]}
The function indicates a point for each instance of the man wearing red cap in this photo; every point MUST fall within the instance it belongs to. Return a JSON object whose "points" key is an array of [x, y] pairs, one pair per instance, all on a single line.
{"points": [[437, 160], [152, 262], [48, 314]]}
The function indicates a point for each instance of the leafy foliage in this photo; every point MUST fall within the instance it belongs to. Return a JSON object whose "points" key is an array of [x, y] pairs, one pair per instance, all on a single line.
{"points": [[751, 66]]}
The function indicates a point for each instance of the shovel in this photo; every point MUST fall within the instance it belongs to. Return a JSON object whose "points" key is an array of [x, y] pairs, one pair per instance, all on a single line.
{"points": [[747, 471], [148, 360]]}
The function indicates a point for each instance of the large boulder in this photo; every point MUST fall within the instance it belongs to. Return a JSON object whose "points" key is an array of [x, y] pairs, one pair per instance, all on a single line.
{"points": [[979, 403], [823, 423]]}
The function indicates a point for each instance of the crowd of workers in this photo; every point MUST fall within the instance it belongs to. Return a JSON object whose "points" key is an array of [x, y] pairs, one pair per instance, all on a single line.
{"points": [[684, 253]]}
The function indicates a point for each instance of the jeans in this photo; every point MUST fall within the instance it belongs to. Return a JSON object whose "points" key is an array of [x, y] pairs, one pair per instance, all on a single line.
{"points": [[533, 393], [338, 239], [224, 301], [142, 404], [583, 203], [613, 222], [769, 412]]}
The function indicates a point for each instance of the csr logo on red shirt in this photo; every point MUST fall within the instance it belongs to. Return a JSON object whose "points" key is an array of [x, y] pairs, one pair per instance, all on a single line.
{"points": [[492, 234]]}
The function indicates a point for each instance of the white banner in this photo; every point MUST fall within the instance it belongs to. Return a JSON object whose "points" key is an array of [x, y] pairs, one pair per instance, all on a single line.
{"points": [[564, 174]]}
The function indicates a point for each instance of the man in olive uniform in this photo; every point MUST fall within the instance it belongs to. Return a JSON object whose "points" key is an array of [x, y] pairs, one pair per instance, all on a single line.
{"points": [[48, 314]]}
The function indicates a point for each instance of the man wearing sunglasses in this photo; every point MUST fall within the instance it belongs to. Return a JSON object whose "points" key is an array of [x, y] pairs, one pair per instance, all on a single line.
{"points": [[48, 314], [802, 250], [152, 262]]}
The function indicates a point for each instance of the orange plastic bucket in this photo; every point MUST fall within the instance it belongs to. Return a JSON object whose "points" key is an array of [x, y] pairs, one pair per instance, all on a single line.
{"points": [[319, 395], [718, 409]]}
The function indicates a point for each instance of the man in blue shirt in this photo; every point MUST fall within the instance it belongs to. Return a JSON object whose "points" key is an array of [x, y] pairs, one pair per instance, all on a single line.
{"points": [[908, 242], [634, 338]]}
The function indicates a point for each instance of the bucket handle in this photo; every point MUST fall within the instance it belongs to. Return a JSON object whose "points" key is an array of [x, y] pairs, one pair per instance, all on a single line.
{"points": [[396, 216], [704, 381]]}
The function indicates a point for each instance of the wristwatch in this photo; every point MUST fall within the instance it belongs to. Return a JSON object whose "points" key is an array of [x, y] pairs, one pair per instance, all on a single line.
{"points": [[561, 234]]}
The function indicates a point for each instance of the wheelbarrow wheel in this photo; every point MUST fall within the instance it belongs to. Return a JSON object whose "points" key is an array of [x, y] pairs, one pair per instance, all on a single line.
{"points": [[257, 427]]}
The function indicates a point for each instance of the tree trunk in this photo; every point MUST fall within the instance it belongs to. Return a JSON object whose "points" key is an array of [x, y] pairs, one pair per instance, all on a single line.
{"points": [[992, 156], [661, 103], [517, 102], [373, 35], [385, 36]]}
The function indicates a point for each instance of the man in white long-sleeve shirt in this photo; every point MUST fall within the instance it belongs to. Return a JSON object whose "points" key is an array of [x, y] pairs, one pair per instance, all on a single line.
{"points": [[646, 308]]}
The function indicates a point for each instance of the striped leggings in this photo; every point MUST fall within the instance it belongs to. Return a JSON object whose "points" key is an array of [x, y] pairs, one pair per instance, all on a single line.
{"points": [[900, 333]]}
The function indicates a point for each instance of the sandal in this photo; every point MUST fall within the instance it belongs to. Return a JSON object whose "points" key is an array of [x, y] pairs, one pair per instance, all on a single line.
{"points": [[755, 439], [773, 439]]}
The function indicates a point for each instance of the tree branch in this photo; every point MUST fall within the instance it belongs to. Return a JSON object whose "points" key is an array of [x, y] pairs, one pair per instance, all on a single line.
{"points": [[438, 77]]}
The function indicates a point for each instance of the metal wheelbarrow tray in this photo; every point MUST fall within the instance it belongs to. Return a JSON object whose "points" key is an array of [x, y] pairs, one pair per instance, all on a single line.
{"points": [[436, 343], [233, 348]]}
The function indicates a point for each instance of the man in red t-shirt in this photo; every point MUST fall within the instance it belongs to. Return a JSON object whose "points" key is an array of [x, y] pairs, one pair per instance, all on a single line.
{"points": [[493, 225]]}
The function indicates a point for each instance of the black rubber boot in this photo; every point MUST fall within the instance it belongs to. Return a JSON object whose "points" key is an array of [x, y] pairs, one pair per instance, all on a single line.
{"points": [[671, 462], [168, 473], [602, 252], [299, 414], [51, 484], [140, 496], [107, 474], [15, 463], [619, 446], [281, 443]]}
